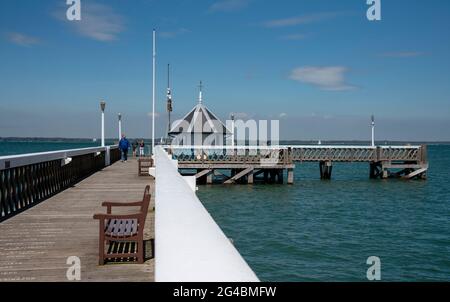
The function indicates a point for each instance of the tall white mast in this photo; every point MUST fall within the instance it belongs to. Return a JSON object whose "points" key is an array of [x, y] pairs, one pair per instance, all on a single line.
{"points": [[373, 130], [102, 107], [154, 91], [169, 100]]}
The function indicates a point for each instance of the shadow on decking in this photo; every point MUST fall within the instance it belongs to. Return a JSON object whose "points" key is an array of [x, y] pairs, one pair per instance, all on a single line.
{"points": [[130, 247]]}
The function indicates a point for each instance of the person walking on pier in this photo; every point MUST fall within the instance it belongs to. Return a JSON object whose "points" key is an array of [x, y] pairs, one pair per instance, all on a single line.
{"points": [[142, 149], [124, 145], [135, 145]]}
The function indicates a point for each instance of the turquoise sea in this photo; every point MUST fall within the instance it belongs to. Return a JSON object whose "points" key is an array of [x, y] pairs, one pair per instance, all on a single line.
{"points": [[23, 147], [325, 230]]}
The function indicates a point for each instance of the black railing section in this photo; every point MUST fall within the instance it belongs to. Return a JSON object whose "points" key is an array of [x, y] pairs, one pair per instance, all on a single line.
{"points": [[23, 187]]}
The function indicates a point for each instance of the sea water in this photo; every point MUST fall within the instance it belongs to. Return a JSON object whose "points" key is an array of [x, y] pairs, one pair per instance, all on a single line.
{"points": [[326, 230], [25, 147]]}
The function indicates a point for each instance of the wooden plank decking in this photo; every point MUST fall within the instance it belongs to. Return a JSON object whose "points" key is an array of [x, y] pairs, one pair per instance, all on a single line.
{"points": [[35, 245]]}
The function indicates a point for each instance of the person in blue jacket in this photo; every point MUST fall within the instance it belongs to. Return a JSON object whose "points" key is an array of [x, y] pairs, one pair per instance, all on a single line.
{"points": [[124, 145]]}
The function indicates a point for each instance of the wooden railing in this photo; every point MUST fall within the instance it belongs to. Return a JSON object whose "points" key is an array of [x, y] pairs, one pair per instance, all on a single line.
{"points": [[227, 155], [26, 180], [358, 153], [291, 154]]}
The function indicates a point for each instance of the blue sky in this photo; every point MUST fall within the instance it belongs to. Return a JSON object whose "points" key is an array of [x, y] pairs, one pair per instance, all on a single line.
{"points": [[319, 66]]}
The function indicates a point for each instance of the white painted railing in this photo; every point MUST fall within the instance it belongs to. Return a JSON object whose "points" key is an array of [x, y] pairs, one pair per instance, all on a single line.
{"points": [[13, 161], [189, 245]]}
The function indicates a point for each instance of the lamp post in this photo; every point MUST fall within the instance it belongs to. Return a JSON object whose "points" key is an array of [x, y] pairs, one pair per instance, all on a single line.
{"points": [[373, 130], [120, 126], [102, 107]]}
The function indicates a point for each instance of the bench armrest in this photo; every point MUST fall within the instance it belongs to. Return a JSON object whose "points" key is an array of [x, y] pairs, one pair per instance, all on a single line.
{"points": [[110, 205], [102, 217], [121, 204]]}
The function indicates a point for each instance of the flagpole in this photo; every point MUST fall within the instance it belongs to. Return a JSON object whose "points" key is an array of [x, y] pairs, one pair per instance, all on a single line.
{"points": [[154, 92]]}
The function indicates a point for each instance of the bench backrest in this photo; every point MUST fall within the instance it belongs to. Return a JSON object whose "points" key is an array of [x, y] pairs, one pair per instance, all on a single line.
{"points": [[146, 201], [144, 165]]}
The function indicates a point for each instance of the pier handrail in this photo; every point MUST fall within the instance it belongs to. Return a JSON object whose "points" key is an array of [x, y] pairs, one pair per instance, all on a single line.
{"points": [[189, 245], [28, 179], [300, 153], [13, 161]]}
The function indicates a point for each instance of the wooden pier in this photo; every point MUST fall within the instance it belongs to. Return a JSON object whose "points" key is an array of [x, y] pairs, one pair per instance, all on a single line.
{"points": [[269, 164], [35, 244]]}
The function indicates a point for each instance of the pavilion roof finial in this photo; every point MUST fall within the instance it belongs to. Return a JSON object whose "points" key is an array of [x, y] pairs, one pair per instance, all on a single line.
{"points": [[200, 95]]}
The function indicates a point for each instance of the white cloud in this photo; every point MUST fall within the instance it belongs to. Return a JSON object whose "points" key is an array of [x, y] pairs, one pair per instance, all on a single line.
{"points": [[298, 20], [402, 54], [22, 39], [294, 37], [229, 5], [240, 115], [282, 115], [98, 22], [150, 114], [326, 78], [173, 34]]}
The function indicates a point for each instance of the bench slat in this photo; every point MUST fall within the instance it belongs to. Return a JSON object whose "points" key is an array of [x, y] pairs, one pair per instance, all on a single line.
{"points": [[121, 227]]}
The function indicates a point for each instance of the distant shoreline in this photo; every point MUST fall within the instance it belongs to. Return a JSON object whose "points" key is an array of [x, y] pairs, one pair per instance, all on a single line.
{"points": [[324, 142]]}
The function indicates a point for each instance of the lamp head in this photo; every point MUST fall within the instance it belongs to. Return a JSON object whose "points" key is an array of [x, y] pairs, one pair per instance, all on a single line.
{"points": [[103, 106], [120, 116]]}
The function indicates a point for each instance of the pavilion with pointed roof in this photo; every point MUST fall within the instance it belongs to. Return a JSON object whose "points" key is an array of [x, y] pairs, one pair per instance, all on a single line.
{"points": [[199, 127]]}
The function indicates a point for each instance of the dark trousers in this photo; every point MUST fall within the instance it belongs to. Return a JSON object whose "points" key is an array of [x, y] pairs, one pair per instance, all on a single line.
{"points": [[124, 155]]}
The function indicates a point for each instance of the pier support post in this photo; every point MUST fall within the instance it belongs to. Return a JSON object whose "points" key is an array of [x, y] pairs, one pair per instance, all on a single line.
{"points": [[201, 180], [210, 178], [384, 172], [326, 168], [281, 176], [375, 170], [250, 178], [290, 176], [272, 176]]}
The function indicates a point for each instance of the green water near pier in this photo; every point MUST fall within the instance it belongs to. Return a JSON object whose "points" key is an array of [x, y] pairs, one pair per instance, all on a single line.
{"points": [[325, 230]]}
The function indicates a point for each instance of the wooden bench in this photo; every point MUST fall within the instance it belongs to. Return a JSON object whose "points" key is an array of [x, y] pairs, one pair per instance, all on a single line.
{"points": [[123, 229], [144, 165]]}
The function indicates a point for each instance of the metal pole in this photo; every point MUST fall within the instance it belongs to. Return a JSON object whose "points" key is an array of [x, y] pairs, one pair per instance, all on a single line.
{"points": [[120, 126], [102, 107], [103, 129], [169, 100], [154, 92], [373, 131]]}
